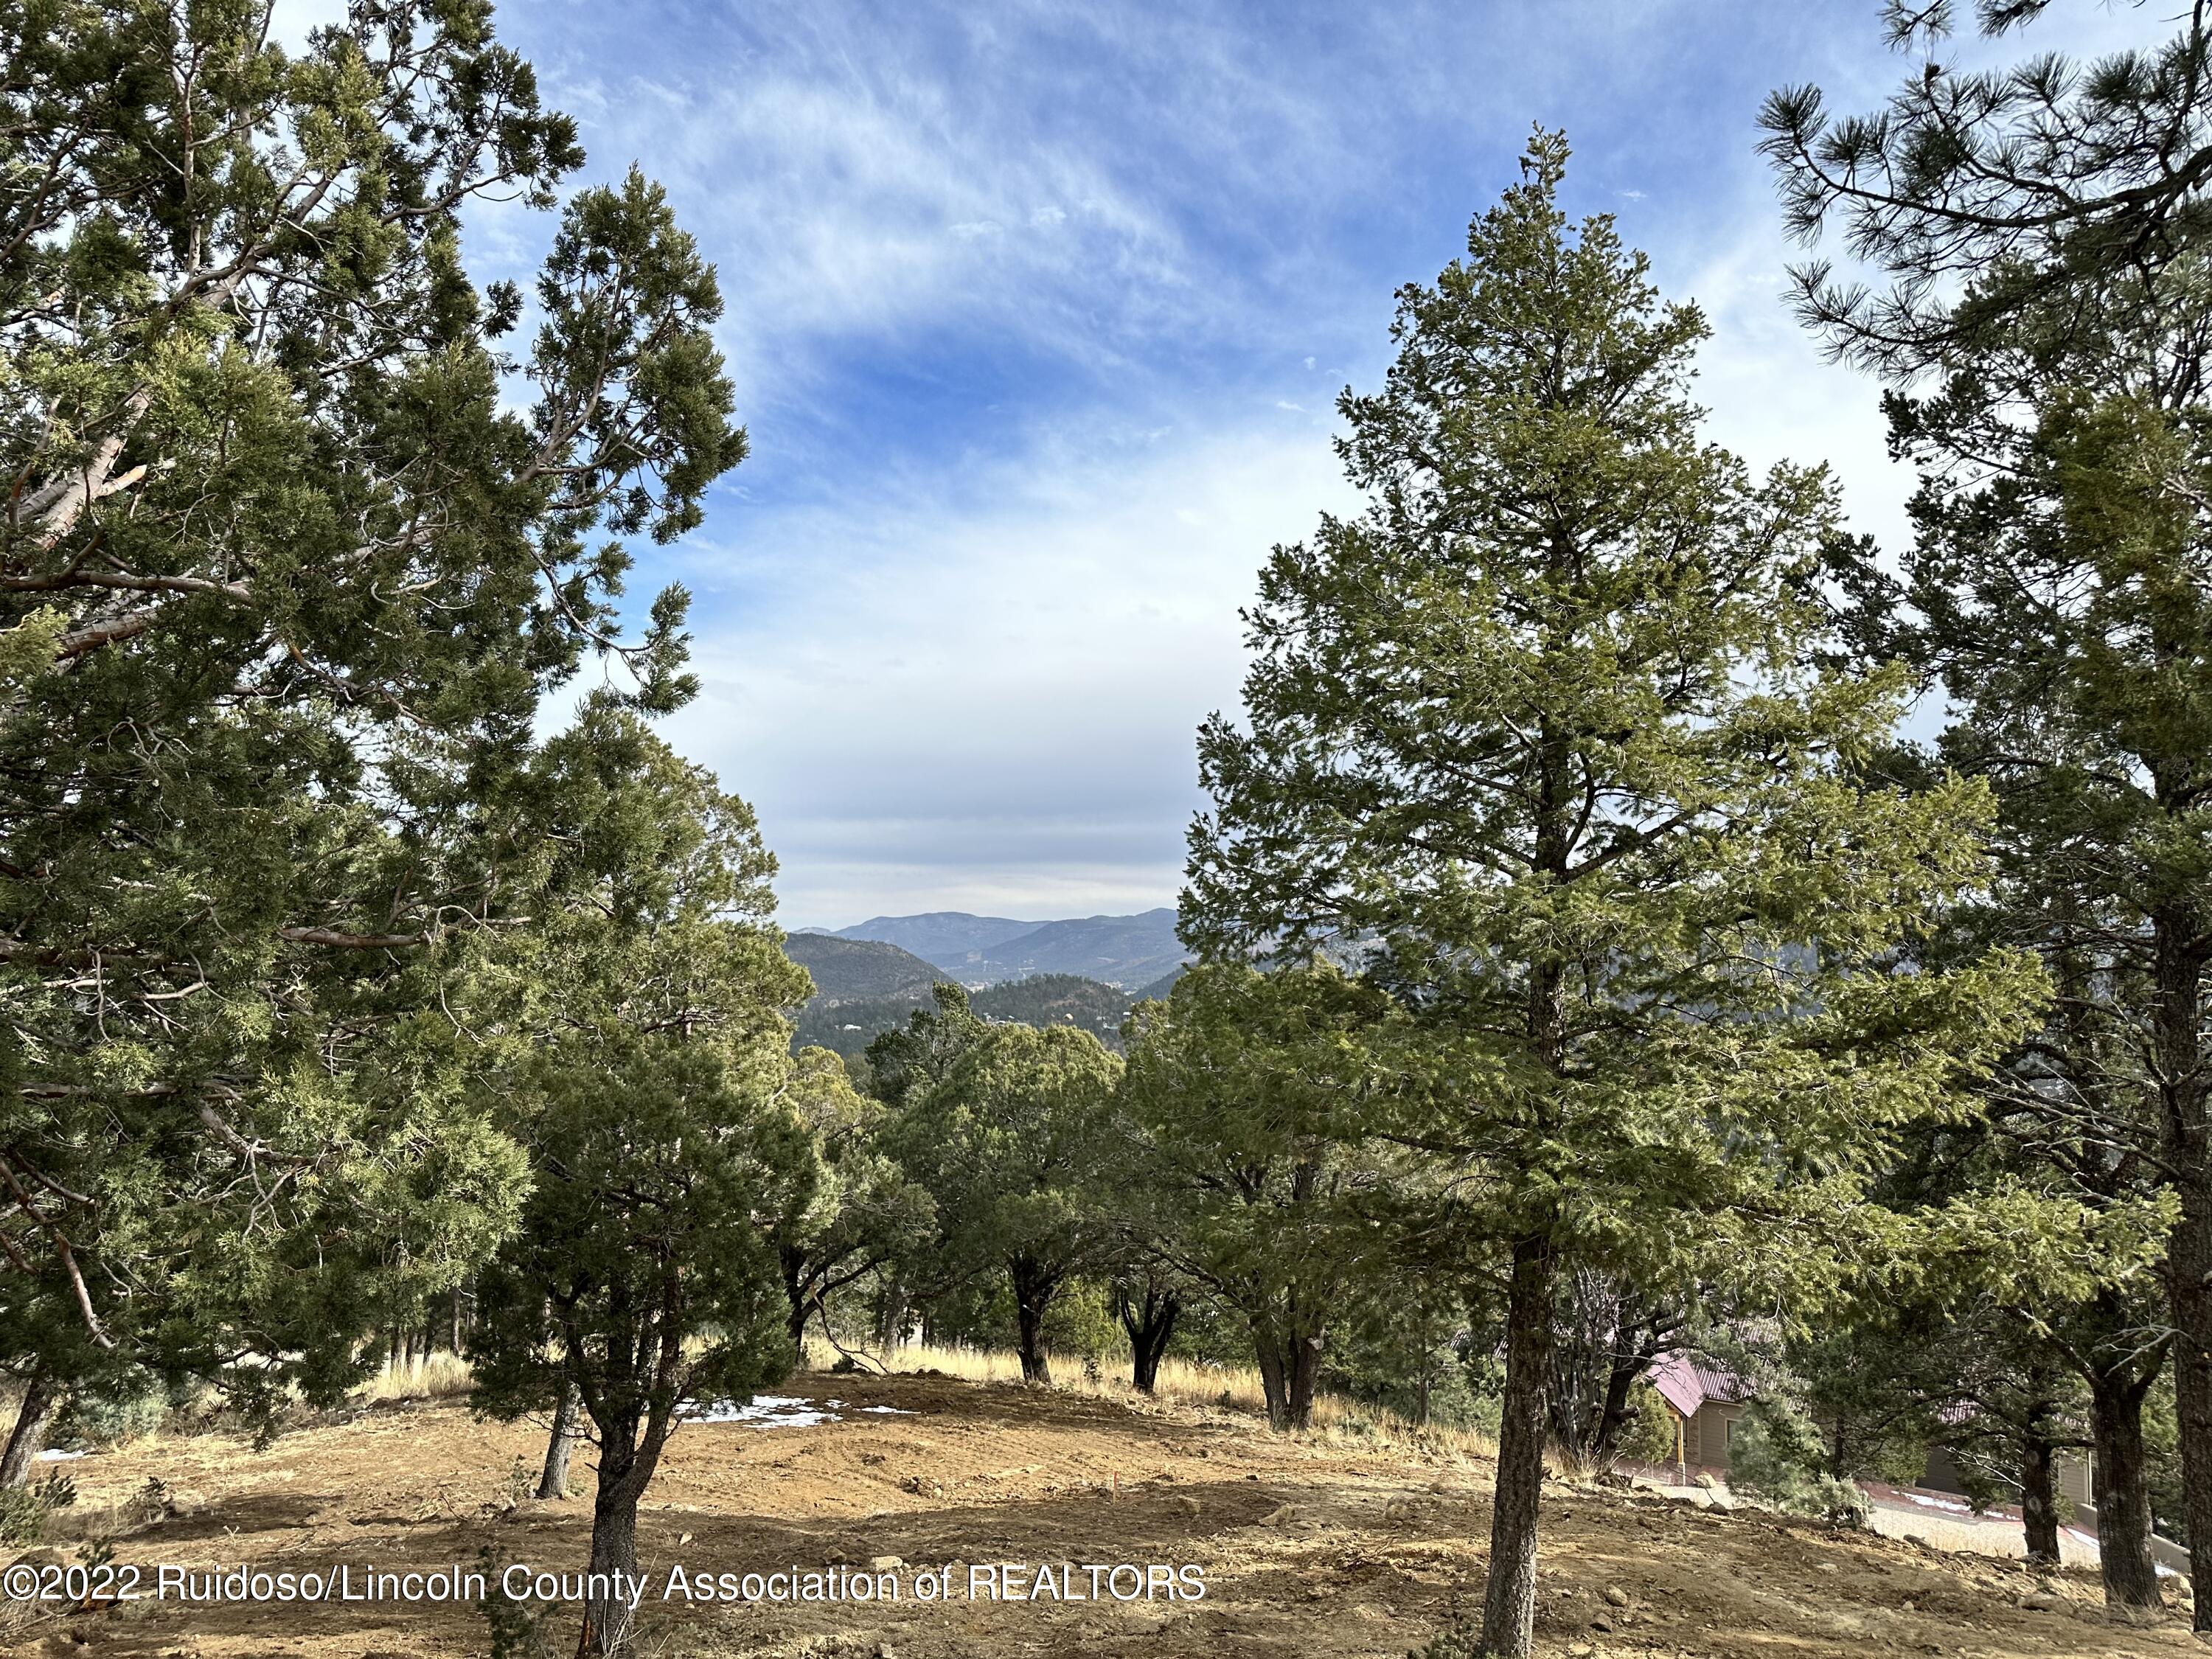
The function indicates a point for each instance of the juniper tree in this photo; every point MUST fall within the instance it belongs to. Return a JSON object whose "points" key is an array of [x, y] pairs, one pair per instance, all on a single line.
{"points": [[861, 1213], [646, 1070], [1008, 1143], [903, 1064], [294, 542], [1244, 1103], [1538, 733]]}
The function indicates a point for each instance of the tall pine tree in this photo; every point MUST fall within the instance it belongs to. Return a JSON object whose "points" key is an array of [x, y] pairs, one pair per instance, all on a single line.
{"points": [[1536, 734]]}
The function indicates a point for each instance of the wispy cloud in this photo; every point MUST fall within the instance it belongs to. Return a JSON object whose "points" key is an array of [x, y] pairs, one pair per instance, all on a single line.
{"points": [[1037, 314]]}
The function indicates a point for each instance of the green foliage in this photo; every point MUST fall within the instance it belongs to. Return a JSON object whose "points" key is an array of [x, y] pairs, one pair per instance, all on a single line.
{"points": [[905, 1065], [861, 1212], [297, 546], [2047, 184], [1541, 723], [515, 1630], [26, 1511], [848, 1026], [102, 1418], [1776, 1458], [1244, 1099], [1007, 1141], [646, 1068], [1650, 1435], [1543, 734], [1082, 1322]]}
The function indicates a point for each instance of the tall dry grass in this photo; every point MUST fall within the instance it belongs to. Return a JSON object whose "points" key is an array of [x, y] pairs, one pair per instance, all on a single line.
{"points": [[1189, 1384], [426, 1376]]}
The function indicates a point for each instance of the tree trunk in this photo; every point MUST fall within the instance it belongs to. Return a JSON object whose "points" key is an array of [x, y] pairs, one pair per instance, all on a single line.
{"points": [[1303, 1378], [1267, 1354], [2181, 1072], [1288, 1354], [2122, 1495], [1034, 1288], [798, 1292], [890, 1315], [41, 1401], [607, 1614], [553, 1480], [1150, 1323], [1509, 1602], [2038, 1501], [455, 1311], [1613, 1416]]}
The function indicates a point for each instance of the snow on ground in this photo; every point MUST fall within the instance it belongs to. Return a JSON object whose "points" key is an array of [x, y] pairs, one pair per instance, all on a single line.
{"points": [[776, 1411]]}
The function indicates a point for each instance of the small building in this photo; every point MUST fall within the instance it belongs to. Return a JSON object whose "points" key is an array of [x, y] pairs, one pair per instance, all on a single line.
{"points": [[1705, 1400]]}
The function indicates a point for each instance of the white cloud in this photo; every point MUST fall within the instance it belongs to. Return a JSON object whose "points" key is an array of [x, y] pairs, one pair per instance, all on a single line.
{"points": [[995, 709], [1013, 290]]}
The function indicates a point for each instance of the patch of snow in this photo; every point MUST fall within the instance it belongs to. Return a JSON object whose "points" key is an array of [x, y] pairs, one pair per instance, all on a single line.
{"points": [[1927, 1502], [779, 1411], [766, 1411], [59, 1457]]}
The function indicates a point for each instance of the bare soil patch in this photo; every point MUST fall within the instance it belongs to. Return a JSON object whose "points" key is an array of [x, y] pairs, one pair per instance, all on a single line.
{"points": [[1324, 1546]]}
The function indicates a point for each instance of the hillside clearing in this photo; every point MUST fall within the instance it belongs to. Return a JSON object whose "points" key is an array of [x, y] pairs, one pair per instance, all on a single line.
{"points": [[1322, 1546]]}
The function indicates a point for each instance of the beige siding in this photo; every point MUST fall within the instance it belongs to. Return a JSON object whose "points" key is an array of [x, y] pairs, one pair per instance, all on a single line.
{"points": [[1709, 1434], [2074, 1477]]}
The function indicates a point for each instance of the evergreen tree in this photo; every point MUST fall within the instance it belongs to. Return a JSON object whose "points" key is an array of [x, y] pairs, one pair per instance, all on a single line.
{"points": [[293, 545], [861, 1213], [1538, 733], [647, 1074], [2045, 229], [1244, 1102], [2081, 191], [1008, 1143]]}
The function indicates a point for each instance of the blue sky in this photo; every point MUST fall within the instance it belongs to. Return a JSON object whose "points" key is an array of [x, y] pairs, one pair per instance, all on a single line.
{"points": [[1037, 314]]}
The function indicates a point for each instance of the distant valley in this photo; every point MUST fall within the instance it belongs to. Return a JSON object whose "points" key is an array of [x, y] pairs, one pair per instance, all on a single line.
{"points": [[1129, 952], [1088, 971]]}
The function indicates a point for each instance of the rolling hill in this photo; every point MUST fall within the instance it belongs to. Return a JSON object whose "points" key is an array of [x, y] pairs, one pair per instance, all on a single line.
{"points": [[1120, 951], [947, 938], [848, 970]]}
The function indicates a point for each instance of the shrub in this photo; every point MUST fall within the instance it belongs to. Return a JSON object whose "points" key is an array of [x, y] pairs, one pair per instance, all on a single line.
{"points": [[1649, 1435], [1776, 1459], [25, 1510]]}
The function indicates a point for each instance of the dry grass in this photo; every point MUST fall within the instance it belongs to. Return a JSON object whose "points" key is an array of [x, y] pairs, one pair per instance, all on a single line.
{"points": [[428, 1376], [1181, 1383]]}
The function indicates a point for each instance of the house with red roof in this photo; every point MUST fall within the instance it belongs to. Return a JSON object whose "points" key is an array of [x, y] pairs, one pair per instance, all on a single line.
{"points": [[1705, 1400]]}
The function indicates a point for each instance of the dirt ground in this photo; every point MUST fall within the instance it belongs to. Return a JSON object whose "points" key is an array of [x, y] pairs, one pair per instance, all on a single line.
{"points": [[1322, 1548]]}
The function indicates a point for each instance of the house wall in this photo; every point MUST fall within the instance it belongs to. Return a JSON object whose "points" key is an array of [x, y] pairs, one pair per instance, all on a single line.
{"points": [[2074, 1477], [2073, 1472], [1941, 1474], [1705, 1436]]}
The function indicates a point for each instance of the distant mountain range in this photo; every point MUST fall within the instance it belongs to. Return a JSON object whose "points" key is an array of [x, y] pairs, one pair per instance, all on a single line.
{"points": [[1087, 973], [940, 936], [1126, 952]]}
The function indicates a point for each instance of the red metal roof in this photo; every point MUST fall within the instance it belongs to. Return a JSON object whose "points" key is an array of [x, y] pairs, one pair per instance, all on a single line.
{"points": [[1688, 1381]]}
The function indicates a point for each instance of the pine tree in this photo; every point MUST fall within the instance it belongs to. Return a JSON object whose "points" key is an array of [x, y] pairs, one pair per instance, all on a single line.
{"points": [[2044, 226], [1538, 735]]}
